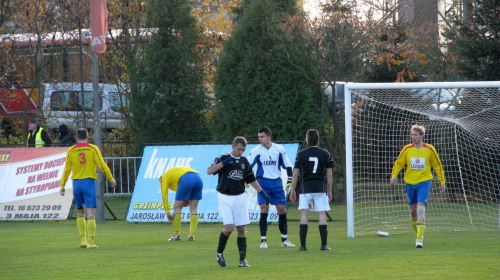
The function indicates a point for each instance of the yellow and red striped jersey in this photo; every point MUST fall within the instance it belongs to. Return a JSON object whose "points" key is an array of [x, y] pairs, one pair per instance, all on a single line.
{"points": [[418, 164], [82, 160]]}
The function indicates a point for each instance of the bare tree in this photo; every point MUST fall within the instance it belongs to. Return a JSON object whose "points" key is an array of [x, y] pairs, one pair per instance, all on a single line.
{"points": [[334, 44]]}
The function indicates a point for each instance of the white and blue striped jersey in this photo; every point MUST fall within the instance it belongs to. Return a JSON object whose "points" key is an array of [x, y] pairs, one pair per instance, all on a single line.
{"points": [[269, 161]]}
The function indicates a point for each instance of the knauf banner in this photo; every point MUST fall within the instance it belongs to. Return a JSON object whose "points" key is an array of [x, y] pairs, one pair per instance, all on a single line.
{"points": [[146, 204]]}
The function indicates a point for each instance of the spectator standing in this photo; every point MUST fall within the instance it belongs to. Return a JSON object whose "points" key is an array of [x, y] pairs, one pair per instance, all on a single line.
{"points": [[66, 138], [37, 136]]}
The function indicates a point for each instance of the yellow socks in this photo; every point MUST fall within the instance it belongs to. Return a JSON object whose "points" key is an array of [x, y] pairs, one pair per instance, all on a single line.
{"points": [[420, 231], [176, 223], [193, 224], [82, 227], [91, 227], [414, 224]]}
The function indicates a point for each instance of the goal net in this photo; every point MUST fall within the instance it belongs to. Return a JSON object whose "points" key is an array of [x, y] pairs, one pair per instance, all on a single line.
{"points": [[462, 122]]}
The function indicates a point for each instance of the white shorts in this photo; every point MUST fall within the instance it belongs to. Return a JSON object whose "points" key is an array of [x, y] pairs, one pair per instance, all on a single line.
{"points": [[233, 209], [314, 202]]}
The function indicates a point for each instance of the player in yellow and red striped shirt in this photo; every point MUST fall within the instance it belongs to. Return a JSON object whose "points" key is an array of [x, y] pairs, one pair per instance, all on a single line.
{"points": [[418, 158], [82, 161]]}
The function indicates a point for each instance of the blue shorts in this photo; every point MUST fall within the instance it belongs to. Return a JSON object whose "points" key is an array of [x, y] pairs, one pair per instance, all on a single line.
{"points": [[84, 193], [274, 189], [418, 193], [189, 188]]}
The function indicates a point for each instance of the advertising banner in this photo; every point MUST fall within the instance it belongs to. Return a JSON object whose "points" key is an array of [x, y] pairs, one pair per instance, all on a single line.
{"points": [[98, 24], [30, 181], [146, 204]]}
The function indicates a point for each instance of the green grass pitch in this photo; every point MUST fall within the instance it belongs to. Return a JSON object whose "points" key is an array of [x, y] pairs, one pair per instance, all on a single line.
{"points": [[49, 250]]}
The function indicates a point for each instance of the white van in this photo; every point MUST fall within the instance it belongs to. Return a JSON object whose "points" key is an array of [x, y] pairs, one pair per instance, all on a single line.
{"points": [[67, 103]]}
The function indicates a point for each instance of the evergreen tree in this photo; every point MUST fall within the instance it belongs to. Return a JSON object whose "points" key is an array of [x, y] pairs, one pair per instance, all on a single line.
{"points": [[255, 85], [475, 40], [168, 100]]}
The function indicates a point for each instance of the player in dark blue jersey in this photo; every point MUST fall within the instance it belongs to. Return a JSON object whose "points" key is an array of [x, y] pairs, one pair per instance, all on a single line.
{"points": [[234, 171], [314, 163]]}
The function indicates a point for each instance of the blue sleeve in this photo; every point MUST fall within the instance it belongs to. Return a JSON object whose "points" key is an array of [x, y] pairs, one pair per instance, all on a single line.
{"points": [[255, 161]]}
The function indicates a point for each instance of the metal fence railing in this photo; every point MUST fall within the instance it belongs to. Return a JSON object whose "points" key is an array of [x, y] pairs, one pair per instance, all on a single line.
{"points": [[124, 170]]}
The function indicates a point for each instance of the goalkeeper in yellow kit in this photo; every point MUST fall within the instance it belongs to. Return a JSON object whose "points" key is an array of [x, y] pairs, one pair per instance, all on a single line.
{"points": [[187, 184], [82, 160], [418, 158]]}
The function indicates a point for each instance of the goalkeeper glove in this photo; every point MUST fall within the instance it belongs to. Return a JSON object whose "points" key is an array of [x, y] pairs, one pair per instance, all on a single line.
{"points": [[288, 183], [265, 197]]}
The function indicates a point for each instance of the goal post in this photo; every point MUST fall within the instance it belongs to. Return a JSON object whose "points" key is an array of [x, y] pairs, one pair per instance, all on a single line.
{"points": [[462, 121]]}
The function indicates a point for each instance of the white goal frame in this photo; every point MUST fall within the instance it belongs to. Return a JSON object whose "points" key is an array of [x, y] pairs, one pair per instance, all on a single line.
{"points": [[349, 88]]}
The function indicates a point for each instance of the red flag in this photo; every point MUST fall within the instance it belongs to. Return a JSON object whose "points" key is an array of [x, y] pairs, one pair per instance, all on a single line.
{"points": [[99, 24]]}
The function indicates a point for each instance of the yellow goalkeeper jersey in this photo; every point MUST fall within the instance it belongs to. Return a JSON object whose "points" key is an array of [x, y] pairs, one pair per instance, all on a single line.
{"points": [[170, 180], [82, 160], [418, 164]]}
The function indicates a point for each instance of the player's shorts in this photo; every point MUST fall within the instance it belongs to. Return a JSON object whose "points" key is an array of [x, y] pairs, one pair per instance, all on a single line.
{"points": [[233, 209], [190, 187], [274, 189], [418, 193], [314, 202], [84, 193]]}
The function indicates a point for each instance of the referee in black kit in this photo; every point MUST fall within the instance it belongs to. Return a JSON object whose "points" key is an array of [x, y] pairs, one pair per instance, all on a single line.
{"points": [[234, 171]]}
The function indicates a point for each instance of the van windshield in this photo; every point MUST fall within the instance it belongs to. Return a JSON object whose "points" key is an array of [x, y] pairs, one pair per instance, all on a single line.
{"points": [[73, 101], [117, 102]]}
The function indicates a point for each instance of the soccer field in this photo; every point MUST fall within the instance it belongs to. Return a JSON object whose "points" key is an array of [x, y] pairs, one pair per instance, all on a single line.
{"points": [[49, 250]]}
